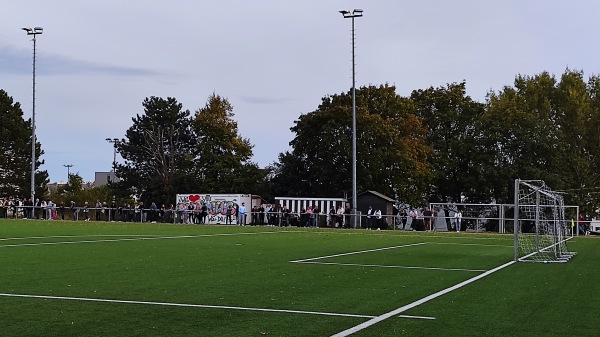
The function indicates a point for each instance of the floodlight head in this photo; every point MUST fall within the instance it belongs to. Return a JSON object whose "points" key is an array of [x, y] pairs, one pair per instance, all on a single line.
{"points": [[33, 31], [354, 14]]}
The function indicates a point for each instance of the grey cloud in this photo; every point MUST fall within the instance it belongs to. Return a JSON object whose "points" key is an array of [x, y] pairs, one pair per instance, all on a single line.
{"points": [[264, 100], [18, 62]]}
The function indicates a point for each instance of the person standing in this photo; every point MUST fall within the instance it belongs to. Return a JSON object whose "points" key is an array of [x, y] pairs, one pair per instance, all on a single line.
{"points": [[339, 217], [427, 215], [73, 210], [228, 215], [413, 218], [203, 213], [403, 217], [153, 212], [61, 210], [332, 217], [98, 209], [457, 219], [316, 213], [254, 215], [86, 211], [112, 212], [261, 214], [378, 218], [242, 214], [285, 216], [369, 218]]}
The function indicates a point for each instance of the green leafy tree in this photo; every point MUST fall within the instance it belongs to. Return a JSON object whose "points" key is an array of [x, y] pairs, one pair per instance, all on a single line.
{"points": [[223, 163], [589, 195], [391, 151], [543, 128], [576, 114], [15, 152], [74, 185], [451, 120], [520, 134], [158, 151]]}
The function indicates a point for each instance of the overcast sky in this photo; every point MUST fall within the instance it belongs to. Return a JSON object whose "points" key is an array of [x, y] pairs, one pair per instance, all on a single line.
{"points": [[272, 59]]}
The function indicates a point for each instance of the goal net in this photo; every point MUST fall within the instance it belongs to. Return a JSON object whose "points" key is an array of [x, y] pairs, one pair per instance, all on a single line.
{"points": [[541, 229]]}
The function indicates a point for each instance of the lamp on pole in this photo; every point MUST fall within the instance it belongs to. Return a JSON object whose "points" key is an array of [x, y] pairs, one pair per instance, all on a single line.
{"points": [[355, 13], [33, 31], [115, 142], [68, 166]]}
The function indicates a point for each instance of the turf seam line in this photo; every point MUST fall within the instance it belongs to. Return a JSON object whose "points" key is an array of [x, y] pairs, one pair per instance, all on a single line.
{"points": [[74, 236], [132, 239], [184, 305]]}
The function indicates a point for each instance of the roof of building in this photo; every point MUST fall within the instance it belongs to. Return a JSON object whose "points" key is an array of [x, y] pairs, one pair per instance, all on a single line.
{"points": [[377, 194]]}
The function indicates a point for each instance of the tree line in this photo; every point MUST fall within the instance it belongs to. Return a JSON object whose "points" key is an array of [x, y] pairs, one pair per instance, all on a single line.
{"points": [[436, 145]]}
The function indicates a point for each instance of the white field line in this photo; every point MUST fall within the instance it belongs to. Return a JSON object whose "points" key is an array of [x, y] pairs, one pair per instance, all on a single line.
{"points": [[395, 312], [132, 239], [416, 317], [205, 306], [311, 260], [469, 235], [73, 236], [169, 304], [469, 244], [358, 252], [400, 267]]}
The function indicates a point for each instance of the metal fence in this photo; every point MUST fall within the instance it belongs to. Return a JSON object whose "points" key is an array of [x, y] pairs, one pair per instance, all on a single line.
{"points": [[440, 221]]}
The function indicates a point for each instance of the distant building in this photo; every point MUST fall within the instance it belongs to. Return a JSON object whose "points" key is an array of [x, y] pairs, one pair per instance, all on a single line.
{"points": [[377, 201], [103, 178]]}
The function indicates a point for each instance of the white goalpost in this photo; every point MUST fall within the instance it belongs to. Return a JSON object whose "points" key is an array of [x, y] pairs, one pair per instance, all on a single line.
{"points": [[541, 228]]}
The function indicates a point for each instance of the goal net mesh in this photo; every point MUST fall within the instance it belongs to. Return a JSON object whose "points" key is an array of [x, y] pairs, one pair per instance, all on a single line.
{"points": [[541, 227]]}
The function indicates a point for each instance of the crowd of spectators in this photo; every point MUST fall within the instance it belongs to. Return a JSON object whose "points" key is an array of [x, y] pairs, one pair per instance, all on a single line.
{"points": [[419, 219]]}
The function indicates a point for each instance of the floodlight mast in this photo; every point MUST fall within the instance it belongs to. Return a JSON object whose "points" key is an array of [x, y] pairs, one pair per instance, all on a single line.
{"points": [[115, 142], [68, 166], [34, 32], [355, 13]]}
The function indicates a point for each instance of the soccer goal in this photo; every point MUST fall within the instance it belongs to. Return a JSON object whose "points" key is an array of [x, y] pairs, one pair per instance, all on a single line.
{"points": [[541, 229]]}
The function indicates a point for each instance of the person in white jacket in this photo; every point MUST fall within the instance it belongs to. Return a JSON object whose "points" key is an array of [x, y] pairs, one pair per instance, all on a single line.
{"points": [[457, 219], [378, 217]]}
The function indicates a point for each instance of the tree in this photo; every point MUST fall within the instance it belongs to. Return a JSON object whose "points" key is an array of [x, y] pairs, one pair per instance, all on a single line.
{"points": [[451, 120], [391, 152], [589, 196], [74, 185], [223, 162], [544, 128], [158, 151], [521, 138], [577, 110], [15, 146]]}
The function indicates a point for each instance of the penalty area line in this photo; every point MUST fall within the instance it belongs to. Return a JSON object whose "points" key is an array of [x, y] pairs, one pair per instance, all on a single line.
{"points": [[389, 266], [400, 310], [358, 252]]}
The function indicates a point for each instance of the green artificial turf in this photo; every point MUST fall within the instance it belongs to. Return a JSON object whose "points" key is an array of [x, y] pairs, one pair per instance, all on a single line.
{"points": [[155, 270]]}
